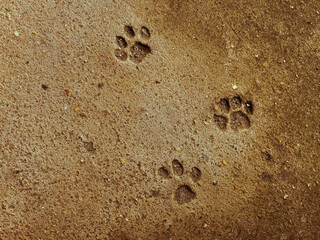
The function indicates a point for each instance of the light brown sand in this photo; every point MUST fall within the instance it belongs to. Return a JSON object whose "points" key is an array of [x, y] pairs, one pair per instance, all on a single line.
{"points": [[203, 125]]}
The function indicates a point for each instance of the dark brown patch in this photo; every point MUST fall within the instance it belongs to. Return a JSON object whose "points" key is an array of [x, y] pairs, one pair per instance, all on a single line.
{"points": [[122, 43], [129, 31], [184, 194], [138, 52], [155, 193], [248, 107], [220, 121], [89, 146], [17, 171], [224, 105], [163, 172], [266, 177], [239, 120], [266, 156], [177, 167]]}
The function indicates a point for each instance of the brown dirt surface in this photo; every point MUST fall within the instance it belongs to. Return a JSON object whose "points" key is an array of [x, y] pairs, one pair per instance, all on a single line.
{"points": [[160, 119]]}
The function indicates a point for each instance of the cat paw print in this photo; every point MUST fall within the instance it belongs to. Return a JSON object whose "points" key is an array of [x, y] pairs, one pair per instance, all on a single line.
{"points": [[183, 193], [233, 111], [133, 47]]}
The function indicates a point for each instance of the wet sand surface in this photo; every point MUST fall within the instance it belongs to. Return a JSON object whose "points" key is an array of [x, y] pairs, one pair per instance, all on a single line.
{"points": [[159, 119]]}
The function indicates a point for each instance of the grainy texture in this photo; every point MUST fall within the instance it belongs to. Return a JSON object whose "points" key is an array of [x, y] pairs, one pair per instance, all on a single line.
{"points": [[112, 125]]}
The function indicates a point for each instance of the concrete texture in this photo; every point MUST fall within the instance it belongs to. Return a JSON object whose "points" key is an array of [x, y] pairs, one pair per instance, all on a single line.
{"points": [[159, 119]]}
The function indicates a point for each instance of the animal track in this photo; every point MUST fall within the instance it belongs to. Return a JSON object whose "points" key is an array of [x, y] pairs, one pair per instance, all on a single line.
{"points": [[233, 111], [135, 49], [183, 193]]}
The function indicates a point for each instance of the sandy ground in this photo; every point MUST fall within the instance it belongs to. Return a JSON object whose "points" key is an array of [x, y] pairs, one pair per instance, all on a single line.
{"points": [[159, 119]]}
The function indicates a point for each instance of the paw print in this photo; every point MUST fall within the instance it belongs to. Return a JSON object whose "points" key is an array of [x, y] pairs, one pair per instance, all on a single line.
{"points": [[134, 48], [233, 111], [183, 193]]}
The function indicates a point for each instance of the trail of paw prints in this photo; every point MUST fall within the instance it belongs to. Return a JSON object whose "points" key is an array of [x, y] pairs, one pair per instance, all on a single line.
{"points": [[234, 112], [183, 193], [132, 47]]}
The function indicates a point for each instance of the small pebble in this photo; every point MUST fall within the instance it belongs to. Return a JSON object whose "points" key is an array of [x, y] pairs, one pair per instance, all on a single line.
{"points": [[285, 197], [100, 84], [68, 91], [16, 34], [215, 182], [234, 86]]}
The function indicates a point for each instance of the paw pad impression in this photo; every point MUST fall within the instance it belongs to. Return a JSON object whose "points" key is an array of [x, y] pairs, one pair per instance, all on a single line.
{"points": [[133, 48], [234, 112], [183, 193]]}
